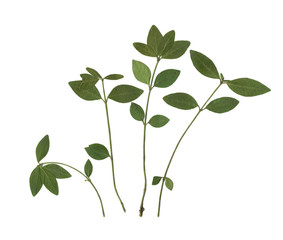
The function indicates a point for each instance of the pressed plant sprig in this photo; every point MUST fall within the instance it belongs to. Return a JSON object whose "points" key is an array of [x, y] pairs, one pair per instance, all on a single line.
{"points": [[242, 86], [87, 90], [159, 47], [47, 173]]}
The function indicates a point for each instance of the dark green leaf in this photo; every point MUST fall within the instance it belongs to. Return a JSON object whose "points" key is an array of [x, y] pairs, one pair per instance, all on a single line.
{"points": [[93, 72], [141, 72], [155, 40], [204, 65], [177, 50], [97, 151], [222, 105], [168, 41], [85, 90], [89, 78], [166, 78], [156, 180], [125, 93], [169, 183], [35, 181], [158, 121], [42, 148], [247, 87], [181, 101], [144, 49], [137, 112], [114, 76], [88, 168], [49, 182], [57, 171]]}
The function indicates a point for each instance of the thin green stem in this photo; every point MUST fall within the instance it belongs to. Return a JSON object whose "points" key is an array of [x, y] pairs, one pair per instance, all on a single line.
{"points": [[87, 178], [144, 137], [110, 143], [178, 143]]}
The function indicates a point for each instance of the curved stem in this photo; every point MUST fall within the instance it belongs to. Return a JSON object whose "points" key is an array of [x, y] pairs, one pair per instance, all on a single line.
{"points": [[111, 149], [144, 137], [87, 178], [178, 143]]}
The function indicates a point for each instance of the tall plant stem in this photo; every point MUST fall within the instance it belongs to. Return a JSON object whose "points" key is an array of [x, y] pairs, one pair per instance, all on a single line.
{"points": [[178, 143], [144, 136], [110, 143], [87, 179]]}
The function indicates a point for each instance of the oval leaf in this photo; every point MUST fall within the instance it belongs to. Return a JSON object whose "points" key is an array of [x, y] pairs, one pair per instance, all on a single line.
{"points": [[42, 148], [125, 93], [137, 112], [169, 183], [141, 71], [247, 87], [49, 182], [88, 168], [89, 77], [222, 105], [156, 180], [93, 72], [168, 41], [204, 65], [114, 77], [85, 90], [35, 181], [181, 101], [177, 50], [144, 49], [158, 121], [155, 40], [166, 78], [57, 171], [97, 151]]}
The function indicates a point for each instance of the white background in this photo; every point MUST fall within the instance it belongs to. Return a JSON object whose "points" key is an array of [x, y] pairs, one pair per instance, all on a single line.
{"points": [[228, 170]]}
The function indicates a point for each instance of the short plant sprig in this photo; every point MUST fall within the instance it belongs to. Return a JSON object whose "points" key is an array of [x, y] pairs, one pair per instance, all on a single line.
{"points": [[47, 173], [242, 86], [87, 90], [159, 47]]}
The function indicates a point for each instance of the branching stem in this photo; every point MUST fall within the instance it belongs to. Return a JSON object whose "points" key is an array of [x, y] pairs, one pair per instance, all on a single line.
{"points": [[178, 143]]}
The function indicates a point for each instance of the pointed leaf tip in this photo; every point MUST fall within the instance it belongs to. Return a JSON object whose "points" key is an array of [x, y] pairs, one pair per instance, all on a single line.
{"points": [[222, 105]]}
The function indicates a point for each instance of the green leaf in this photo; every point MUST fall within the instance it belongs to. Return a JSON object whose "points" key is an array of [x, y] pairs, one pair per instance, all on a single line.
{"points": [[85, 90], [42, 148], [49, 182], [141, 72], [89, 78], [158, 121], [247, 87], [155, 40], [88, 168], [204, 65], [97, 151], [177, 50], [169, 183], [156, 180], [93, 72], [35, 181], [166, 78], [57, 171], [144, 49], [222, 105], [168, 41], [114, 77], [125, 93], [181, 101], [137, 112]]}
